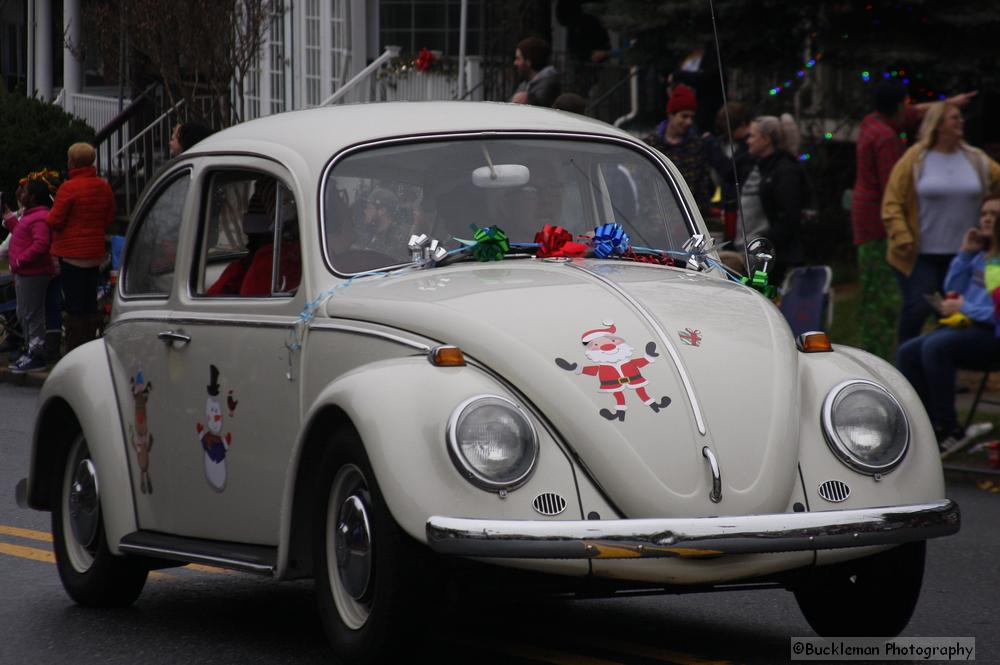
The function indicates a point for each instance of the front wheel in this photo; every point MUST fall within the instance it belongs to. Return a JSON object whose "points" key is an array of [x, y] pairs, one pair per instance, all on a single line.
{"points": [[870, 597], [365, 577], [90, 573]]}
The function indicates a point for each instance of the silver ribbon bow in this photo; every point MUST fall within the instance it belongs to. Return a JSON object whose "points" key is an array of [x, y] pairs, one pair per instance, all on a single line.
{"points": [[425, 250], [698, 246]]}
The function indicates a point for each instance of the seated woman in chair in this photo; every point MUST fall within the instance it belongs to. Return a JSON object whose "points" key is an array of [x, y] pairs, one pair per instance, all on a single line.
{"points": [[966, 336]]}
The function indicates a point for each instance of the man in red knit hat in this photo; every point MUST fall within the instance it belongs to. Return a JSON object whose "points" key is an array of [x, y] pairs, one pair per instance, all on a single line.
{"points": [[684, 148], [84, 208]]}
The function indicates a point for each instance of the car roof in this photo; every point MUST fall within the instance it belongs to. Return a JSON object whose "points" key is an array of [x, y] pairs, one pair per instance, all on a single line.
{"points": [[317, 134]]}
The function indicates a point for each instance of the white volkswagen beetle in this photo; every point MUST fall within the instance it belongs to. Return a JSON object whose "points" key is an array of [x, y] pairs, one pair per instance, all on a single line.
{"points": [[347, 340]]}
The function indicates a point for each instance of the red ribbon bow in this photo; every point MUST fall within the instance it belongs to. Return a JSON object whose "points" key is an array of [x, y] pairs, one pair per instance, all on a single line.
{"points": [[424, 60], [557, 241], [657, 259]]}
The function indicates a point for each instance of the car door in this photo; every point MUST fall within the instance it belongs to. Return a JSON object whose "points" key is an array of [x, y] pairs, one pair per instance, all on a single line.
{"points": [[136, 352], [232, 372]]}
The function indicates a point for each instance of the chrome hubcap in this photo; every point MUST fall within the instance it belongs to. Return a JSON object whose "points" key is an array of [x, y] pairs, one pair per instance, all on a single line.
{"points": [[354, 547], [84, 504]]}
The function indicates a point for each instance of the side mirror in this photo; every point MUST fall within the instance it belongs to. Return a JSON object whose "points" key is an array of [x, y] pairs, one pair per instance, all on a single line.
{"points": [[760, 251]]}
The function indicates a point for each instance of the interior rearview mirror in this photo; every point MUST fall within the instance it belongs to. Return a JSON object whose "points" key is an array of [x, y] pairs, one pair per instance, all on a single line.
{"points": [[501, 175]]}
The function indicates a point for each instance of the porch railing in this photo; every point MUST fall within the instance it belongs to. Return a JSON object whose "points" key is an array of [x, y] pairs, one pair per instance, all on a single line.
{"points": [[144, 153], [362, 78]]}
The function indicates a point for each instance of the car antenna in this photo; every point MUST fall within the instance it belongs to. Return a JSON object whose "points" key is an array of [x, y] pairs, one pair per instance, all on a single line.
{"points": [[729, 133]]}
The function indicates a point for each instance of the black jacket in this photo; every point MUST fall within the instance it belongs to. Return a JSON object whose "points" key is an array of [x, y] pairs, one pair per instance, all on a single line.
{"points": [[784, 193]]}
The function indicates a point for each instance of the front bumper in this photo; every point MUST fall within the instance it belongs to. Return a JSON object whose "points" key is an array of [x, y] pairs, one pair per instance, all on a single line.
{"points": [[692, 538]]}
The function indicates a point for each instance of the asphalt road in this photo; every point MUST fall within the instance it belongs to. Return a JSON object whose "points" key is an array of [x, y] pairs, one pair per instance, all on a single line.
{"points": [[206, 615]]}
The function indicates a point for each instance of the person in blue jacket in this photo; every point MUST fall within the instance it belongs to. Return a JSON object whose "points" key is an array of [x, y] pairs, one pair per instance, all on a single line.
{"points": [[965, 337]]}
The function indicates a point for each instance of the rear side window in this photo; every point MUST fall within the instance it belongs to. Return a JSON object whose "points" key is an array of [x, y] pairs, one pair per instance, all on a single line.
{"points": [[249, 238], [152, 250]]}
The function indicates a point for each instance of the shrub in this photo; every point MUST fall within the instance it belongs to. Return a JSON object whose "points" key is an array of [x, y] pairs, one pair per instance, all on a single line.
{"points": [[34, 134]]}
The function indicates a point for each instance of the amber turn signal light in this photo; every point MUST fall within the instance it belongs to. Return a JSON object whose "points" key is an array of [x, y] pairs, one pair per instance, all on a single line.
{"points": [[814, 342], [446, 356]]}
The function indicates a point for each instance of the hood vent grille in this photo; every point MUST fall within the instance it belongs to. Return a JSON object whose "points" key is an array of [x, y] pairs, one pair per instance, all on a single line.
{"points": [[548, 503], [834, 491]]}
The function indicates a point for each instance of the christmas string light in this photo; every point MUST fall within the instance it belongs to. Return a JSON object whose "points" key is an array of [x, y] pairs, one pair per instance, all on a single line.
{"points": [[788, 83]]}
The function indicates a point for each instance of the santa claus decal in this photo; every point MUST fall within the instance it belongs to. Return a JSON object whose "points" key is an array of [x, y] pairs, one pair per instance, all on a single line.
{"points": [[213, 444], [616, 369]]}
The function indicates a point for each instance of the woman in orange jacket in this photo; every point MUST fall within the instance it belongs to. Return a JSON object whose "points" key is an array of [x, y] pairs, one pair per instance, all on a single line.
{"points": [[83, 210]]}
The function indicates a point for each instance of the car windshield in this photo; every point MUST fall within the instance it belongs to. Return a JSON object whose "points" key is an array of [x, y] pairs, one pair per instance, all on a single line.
{"points": [[376, 199]]}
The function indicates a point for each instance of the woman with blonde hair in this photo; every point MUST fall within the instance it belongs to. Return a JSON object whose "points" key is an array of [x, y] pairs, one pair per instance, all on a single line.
{"points": [[931, 200], [774, 190]]}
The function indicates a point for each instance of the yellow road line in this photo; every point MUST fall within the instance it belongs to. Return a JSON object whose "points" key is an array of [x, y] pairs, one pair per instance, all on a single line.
{"points": [[618, 649], [46, 556], [648, 651], [551, 656], [208, 569], [32, 553], [46, 537], [540, 654], [25, 533]]}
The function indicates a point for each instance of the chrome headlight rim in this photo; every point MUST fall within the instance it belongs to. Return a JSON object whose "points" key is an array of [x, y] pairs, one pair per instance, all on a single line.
{"points": [[472, 474], [844, 453]]}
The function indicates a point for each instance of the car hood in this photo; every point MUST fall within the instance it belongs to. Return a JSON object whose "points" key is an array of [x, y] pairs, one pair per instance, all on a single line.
{"points": [[720, 352]]}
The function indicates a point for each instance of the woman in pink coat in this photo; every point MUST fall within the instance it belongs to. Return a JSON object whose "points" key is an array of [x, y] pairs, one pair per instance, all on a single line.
{"points": [[33, 268]]}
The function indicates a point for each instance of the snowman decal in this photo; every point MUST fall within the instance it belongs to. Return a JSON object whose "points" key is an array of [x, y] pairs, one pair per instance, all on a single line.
{"points": [[616, 369], [214, 444]]}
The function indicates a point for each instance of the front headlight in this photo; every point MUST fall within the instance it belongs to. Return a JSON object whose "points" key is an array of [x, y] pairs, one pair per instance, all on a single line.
{"points": [[492, 442], [865, 426]]}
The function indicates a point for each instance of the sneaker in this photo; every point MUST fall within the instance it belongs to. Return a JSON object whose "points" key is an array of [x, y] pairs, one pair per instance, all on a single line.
{"points": [[27, 363], [978, 429], [953, 443]]}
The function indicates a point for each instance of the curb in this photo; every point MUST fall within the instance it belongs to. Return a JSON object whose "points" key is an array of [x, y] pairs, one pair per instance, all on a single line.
{"points": [[34, 379], [962, 473]]}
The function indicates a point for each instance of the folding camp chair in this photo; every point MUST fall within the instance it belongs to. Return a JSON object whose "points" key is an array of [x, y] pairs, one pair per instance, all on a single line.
{"points": [[807, 299]]}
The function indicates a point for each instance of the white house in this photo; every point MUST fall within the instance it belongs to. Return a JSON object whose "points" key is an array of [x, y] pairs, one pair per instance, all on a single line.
{"points": [[311, 49]]}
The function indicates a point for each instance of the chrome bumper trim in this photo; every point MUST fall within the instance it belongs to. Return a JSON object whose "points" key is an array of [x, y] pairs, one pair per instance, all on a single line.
{"points": [[692, 538]]}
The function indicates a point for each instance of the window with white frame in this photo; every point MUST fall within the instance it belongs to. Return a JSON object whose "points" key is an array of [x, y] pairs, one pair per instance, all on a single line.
{"points": [[276, 46], [430, 24], [251, 90], [340, 42], [312, 45]]}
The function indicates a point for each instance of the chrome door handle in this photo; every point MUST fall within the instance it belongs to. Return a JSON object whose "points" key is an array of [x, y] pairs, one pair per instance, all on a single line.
{"points": [[173, 337], [716, 494]]}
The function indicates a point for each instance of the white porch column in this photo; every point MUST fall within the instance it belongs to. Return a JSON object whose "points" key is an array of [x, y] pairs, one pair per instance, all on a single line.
{"points": [[43, 49], [72, 65], [360, 19], [31, 49]]}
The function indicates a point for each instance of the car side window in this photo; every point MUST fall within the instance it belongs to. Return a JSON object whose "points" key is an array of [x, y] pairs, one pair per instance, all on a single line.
{"points": [[249, 238], [152, 251]]}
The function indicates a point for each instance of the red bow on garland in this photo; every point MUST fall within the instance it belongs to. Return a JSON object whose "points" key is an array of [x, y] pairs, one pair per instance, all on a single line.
{"points": [[424, 60], [557, 241], [658, 259]]}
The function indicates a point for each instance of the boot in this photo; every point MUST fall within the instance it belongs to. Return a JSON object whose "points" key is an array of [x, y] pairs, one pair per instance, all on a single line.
{"points": [[76, 330], [96, 325], [53, 346]]}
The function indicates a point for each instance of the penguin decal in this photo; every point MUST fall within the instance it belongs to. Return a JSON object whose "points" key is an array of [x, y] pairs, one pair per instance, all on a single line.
{"points": [[214, 444]]}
